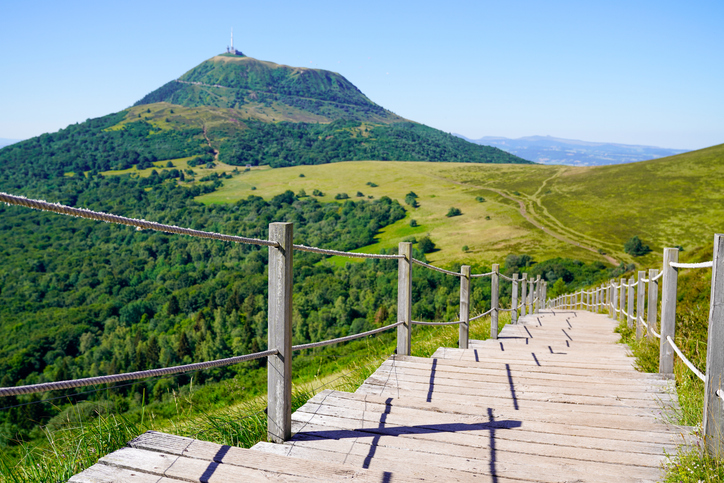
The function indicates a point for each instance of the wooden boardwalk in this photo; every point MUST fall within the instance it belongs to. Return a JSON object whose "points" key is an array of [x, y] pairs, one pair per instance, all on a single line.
{"points": [[554, 399]]}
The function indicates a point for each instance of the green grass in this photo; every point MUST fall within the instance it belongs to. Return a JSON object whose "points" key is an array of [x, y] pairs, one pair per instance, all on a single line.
{"points": [[489, 240], [77, 442]]}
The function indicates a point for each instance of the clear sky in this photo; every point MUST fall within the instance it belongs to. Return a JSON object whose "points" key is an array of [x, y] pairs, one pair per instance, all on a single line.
{"points": [[634, 72]]}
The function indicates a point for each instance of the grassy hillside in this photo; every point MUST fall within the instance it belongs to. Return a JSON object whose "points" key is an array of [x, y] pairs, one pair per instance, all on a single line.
{"points": [[666, 202], [282, 92]]}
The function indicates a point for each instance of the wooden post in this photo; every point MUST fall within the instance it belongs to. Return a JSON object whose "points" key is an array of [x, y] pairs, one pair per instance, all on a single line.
{"points": [[545, 290], [524, 291], [653, 307], [279, 367], [668, 311], [514, 300], [640, 300], [494, 298], [529, 309], [537, 297], [630, 308], [713, 404], [464, 306], [404, 299], [622, 300], [612, 300]]}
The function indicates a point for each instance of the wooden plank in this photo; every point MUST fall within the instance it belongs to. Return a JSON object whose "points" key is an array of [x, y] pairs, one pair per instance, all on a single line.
{"points": [[101, 473], [249, 459]]}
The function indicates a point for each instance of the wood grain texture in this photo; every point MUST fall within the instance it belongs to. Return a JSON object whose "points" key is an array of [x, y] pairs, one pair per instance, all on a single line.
{"points": [[554, 398]]}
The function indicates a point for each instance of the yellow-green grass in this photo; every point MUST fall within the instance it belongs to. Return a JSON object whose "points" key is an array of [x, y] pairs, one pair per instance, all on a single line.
{"points": [[180, 164], [667, 202], [488, 240]]}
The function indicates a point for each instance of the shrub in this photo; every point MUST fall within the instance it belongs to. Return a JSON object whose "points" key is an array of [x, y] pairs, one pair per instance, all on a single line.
{"points": [[341, 196], [301, 175], [454, 212], [360, 194], [480, 199], [635, 247], [301, 193], [425, 245], [317, 193], [466, 248], [411, 199], [413, 223], [370, 183]]}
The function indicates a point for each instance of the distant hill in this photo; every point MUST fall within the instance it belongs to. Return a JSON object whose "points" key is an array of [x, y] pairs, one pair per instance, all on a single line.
{"points": [[571, 152], [7, 142]]}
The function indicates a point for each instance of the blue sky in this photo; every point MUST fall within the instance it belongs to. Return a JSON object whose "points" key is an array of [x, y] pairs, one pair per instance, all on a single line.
{"points": [[635, 72]]}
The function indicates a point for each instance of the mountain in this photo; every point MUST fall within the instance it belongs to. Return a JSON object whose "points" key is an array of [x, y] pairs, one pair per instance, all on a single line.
{"points": [[242, 111], [571, 152]]}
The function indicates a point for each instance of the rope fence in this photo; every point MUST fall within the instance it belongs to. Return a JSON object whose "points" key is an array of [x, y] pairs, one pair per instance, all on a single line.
{"points": [[420, 322], [325, 251], [709, 264], [323, 343], [130, 376], [122, 220], [684, 359], [437, 269]]}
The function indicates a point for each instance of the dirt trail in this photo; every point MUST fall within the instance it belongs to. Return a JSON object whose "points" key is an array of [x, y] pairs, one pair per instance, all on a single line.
{"points": [[524, 213], [216, 152]]}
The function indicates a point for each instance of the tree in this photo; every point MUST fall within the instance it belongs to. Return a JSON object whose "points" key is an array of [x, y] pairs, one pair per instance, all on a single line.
{"points": [[425, 245], [454, 212], [558, 288], [635, 247], [411, 199]]}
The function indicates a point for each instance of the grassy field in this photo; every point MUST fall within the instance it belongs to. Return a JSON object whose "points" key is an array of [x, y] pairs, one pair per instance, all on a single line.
{"points": [[544, 211], [491, 229]]}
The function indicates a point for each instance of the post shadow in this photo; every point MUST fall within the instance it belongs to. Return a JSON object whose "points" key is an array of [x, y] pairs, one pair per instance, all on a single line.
{"points": [[432, 380]]}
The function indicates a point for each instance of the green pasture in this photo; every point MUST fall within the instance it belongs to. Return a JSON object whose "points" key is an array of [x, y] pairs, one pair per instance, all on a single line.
{"points": [[491, 229]]}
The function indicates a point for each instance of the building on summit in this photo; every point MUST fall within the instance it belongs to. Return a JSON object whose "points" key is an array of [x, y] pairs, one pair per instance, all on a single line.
{"points": [[230, 49]]}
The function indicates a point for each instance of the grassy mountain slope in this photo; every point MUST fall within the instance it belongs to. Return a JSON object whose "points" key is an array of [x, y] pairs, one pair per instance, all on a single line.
{"points": [[666, 202]]}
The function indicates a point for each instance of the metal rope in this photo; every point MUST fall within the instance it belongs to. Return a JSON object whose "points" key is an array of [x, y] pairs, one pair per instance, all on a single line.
{"points": [[419, 322], [344, 339], [129, 376], [683, 358], [692, 265], [325, 251], [122, 220], [438, 269]]}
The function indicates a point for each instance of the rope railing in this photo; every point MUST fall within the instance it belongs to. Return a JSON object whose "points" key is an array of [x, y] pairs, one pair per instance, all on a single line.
{"points": [[325, 251], [122, 220], [476, 275], [661, 274], [684, 359], [422, 322], [130, 376], [437, 269], [708, 264], [323, 343], [481, 315]]}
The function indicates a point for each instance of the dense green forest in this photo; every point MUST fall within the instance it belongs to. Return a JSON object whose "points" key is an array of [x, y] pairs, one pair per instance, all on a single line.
{"points": [[81, 298], [290, 144]]}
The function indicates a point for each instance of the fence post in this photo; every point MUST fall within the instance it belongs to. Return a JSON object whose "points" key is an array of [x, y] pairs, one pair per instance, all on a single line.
{"points": [[494, 298], [464, 306], [630, 304], [536, 299], [529, 301], [668, 310], [713, 404], [279, 367], [545, 290], [612, 300], [640, 299], [653, 307], [514, 300], [404, 299], [523, 293], [622, 300]]}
